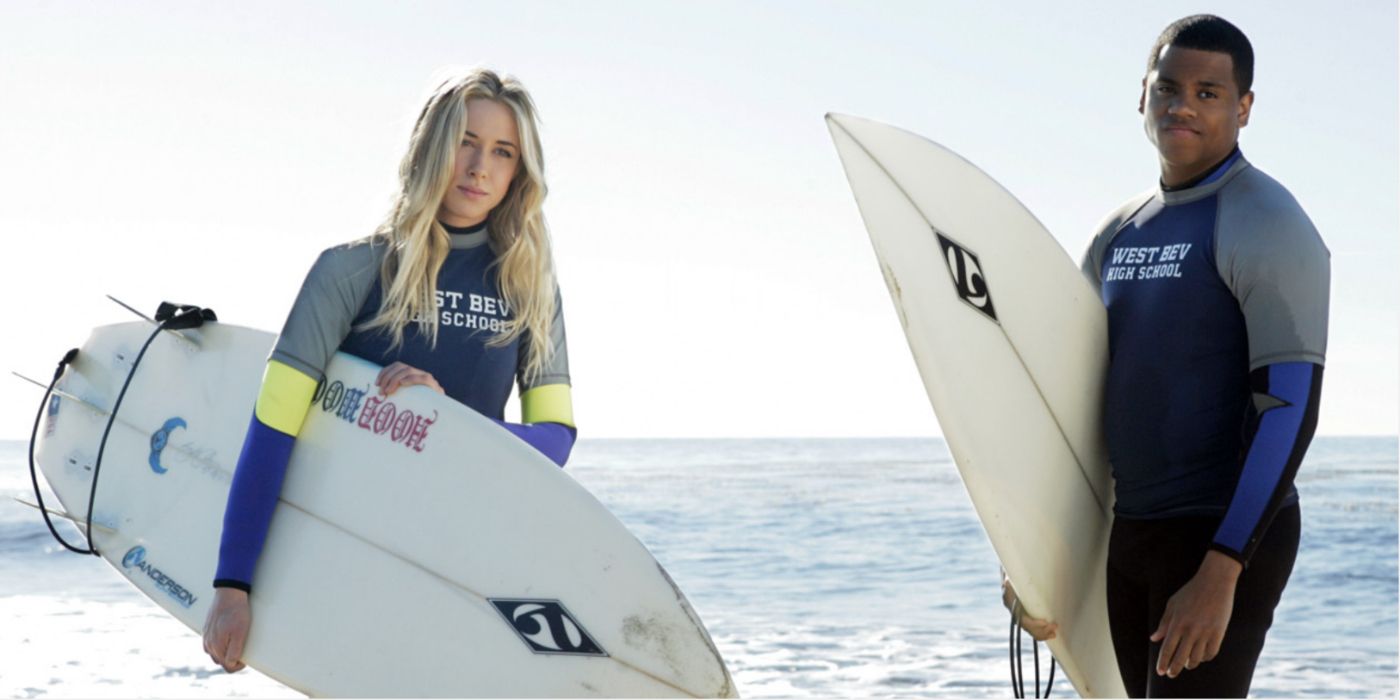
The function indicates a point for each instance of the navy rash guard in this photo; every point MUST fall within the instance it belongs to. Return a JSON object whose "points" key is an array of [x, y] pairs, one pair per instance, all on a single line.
{"points": [[341, 292], [1217, 298]]}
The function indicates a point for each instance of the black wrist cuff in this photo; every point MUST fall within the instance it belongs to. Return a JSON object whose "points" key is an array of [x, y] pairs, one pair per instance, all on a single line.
{"points": [[232, 583], [1237, 556]]}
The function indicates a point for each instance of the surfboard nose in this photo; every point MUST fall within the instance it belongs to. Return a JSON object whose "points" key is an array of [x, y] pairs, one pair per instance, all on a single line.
{"points": [[835, 120]]}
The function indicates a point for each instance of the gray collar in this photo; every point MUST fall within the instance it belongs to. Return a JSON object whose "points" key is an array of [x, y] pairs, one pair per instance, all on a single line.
{"points": [[468, 240], [1207, 189]]}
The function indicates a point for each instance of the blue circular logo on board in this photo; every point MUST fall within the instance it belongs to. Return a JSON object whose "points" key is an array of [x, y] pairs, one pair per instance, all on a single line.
{"points": [[159, 439], [134, 557]]}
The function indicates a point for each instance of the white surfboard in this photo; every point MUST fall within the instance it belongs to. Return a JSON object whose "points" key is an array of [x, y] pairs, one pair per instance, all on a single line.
{"points": [[1011, 342], [418, 549]]}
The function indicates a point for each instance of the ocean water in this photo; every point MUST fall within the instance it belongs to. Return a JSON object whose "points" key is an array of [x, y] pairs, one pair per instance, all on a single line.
{"points": [[821, 568]]}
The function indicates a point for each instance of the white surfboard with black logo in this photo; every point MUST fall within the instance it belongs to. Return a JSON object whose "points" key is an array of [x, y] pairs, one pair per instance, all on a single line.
{"points": [[418, 549], [1011, 342]]}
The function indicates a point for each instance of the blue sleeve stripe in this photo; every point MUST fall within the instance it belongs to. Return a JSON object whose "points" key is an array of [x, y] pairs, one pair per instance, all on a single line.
{"points": [[553, 440], [252, 498], [1274, 454]]}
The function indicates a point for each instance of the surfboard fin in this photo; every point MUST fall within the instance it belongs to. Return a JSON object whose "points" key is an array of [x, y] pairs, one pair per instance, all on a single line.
{"points": [[64, 394], [182, 336], [33, 381], [65, 515]]}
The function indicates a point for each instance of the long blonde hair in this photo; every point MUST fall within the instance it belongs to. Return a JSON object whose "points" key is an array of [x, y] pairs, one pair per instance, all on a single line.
{"points": [[418, 244]]}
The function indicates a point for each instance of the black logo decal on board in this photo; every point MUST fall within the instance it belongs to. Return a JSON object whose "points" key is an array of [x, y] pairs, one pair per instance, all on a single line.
{"points": [[967, 276], [547, 627]]}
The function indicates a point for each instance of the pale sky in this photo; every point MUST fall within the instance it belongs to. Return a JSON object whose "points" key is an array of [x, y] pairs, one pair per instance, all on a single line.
{"points": [[717, 277]]}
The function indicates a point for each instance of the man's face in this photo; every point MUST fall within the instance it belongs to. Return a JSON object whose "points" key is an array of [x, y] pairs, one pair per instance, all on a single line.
{"points": [[1192, 110]]}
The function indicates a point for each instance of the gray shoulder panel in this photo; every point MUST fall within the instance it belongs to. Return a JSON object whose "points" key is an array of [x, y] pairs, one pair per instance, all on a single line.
{"points": [[1092, 262], [1274, 261], [556, 371], [330, 298]]}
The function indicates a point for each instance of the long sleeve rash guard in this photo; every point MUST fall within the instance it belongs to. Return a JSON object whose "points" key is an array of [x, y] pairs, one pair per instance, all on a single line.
{"points": [[343, 291], [1217, 298]]}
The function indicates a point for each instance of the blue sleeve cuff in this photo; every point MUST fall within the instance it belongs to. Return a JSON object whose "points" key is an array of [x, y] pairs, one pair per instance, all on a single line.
{"points": [[553, 440]]}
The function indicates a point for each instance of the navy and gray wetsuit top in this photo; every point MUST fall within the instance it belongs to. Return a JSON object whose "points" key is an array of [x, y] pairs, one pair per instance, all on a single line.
{"points": [[1217, 297], [342, 291]]}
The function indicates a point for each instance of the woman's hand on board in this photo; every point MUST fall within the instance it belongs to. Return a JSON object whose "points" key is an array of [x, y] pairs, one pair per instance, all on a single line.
{"points": [[226, 628], [1039, 629], [398, 375]]}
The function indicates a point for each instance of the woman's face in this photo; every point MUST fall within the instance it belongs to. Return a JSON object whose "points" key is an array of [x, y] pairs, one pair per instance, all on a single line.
{"points": [[486, 161]]}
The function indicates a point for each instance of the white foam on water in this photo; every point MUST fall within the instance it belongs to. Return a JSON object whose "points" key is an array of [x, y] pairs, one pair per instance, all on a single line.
{"points": [[58, 647]]}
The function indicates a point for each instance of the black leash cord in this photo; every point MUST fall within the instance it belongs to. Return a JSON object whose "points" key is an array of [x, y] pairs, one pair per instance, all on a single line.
{"points": [[1011, 655], [1020, 672], [169, 317], [1013, 646], [1018, 679], [33, 436], [1035, 661]]}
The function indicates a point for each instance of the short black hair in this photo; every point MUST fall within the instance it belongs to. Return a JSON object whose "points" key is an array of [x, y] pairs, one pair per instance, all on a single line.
{"points": [[1209, 33]]}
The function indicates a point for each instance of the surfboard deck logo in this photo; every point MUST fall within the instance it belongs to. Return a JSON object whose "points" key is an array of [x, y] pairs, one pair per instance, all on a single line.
{"points": [[136, 559], [159, 439], [372, 413], [547, 627], [967, 276]]}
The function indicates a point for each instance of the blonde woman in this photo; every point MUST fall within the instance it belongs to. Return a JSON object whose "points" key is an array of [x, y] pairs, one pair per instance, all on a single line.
{"points": [[455, 291]]}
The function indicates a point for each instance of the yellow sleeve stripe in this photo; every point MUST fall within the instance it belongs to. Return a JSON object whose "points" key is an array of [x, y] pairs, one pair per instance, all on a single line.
{"points": [[550, 403], [285, 398]]}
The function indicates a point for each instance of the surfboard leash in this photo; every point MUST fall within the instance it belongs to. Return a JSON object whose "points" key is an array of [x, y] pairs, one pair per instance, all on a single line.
{"points": [[33, 437], [168, 317], [1018, 680]]}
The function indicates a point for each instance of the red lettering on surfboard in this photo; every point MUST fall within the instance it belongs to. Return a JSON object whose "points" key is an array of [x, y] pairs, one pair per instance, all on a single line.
{"points": [[375, 415]]}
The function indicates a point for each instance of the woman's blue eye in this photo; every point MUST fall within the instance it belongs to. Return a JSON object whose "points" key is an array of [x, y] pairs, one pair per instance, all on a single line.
{"points": [[504, 153]]}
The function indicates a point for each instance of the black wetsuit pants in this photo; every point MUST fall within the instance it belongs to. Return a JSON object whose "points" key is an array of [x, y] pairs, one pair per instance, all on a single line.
{"points": [[1150, 560]]}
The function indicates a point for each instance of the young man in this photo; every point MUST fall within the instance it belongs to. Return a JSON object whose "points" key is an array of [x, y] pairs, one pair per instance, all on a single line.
{"points": [[1216, 285]]}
